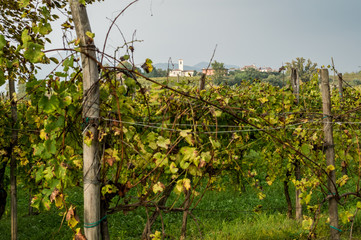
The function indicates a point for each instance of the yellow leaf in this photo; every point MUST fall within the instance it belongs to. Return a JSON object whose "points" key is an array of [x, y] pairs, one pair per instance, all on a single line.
{"points": [[308, 198], [90, 34], [59, 201], [89, 136], [156, 236], [330, 168], [263, 100], [261, 195], [217, 113], [183, 184], [342, 181], [72, 222], [307, 223], [184, 133], [43, 134], [159, 187], [187, 183], [179, 187]]}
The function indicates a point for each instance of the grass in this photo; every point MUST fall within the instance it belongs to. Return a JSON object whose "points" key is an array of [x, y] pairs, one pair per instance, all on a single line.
{"points": [[220, 215]]}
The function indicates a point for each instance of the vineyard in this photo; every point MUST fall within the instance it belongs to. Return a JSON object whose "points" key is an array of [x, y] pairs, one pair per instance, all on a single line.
{"points": [[156, 150]]}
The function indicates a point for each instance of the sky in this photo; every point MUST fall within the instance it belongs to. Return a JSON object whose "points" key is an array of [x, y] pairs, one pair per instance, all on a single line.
{"points": [[261, 32]]}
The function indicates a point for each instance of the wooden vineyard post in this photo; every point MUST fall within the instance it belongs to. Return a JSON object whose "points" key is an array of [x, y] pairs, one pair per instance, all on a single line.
{"points": [[185, 214], [91, 165], [295, 81], [340, 89], [330, 154], [13, 165], [202, 82]]}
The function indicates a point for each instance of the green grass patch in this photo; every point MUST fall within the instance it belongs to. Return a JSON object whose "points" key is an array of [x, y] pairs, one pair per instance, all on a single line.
{"points": [[220, 215]]}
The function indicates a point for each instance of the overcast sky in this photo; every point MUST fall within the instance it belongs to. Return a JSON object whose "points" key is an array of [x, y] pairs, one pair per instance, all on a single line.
{"points": [[261, 32]]}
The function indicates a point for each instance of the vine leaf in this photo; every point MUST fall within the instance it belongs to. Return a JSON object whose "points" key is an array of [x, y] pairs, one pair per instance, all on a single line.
{"points": [[147, 66], [55, 60], [162, 142], [2, 42], [71, 217], [79, 235], [90, 35], [2, 78], [330, 168], [307, 223], [25, 38], [158, 187], [24, 3], [33, 52], [173, 168]]}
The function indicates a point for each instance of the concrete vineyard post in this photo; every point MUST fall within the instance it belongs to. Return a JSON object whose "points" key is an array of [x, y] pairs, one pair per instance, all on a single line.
{"points": [[330, 154], [91, 165]]}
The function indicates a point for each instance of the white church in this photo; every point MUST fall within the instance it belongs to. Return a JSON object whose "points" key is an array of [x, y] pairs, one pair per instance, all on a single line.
{"points": [[180, 72]]}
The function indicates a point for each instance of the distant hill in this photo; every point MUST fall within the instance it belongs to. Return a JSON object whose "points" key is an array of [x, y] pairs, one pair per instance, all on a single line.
{"points": [[198, 67]]}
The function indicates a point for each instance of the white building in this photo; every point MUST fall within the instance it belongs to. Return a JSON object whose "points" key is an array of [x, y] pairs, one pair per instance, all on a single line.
{"points": [[180, 72]]}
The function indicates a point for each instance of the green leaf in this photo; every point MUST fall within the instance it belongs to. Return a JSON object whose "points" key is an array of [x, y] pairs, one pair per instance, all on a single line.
{"points": [[54, 183], [39, 174], [25, 38], [45, 28], [306, 149], [308, 198], [162, 142], [33, 52], [49, 105], [130, 82], [2, 78], [24, 3], [50, 146], [173, 168], [161, 159], [307, 223], [215, 143], [184, 164], [2, 42], [48, 173], [109, 188], [55, 60], [124, 58]]}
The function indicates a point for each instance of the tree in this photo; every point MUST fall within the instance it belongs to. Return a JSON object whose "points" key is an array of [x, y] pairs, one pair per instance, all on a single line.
{"points": [[219, 71], [275, 80], [249, 75], [305, 69]]}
